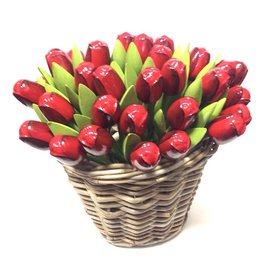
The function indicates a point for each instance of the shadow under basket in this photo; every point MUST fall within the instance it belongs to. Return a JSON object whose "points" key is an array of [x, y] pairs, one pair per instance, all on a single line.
{"points": [[132, 208]]}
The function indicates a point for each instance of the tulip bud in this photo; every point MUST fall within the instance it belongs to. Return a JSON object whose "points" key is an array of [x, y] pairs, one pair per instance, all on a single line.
{"points": [[214, 84], [67, 149], [236, 69], [105, 111], [28, 92], [134, 119], [174, 76], [98, 53], [59, 57], [174, 144], [237, 94], [160, 54], [226, 127], [83, 74], [149, 85], [199, 58], [241, 109], [95, 140], [36, 134], [56, 108], [107, 82], [182, 113], [144, 44], [145, 156], [166, 41], [125, 38]]}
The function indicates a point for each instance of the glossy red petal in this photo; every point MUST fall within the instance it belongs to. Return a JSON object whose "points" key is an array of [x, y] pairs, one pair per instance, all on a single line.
{"points": [[144, 44], [83, 74], [166, 41], [160, 54], [125, 38]]}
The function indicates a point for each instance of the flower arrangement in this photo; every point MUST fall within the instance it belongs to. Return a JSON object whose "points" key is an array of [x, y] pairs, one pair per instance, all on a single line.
{"points": [[146, 101]]}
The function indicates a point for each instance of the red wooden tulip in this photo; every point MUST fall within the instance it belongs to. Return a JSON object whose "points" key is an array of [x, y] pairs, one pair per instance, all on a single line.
{"points": [[214, 84], [199, 58], [84, 74], [145, 156], [144, 45], [174, 75], [28, 92], [67, 149], [56, 108], [236, 69], [241, 109], [134, 119], [98, 53], [105, 111], [166, 41], [125, 38], [174, 144], [149, 85], [227, 127], [59, 57], [96, 140], [182, 113], [107, 82], [160, 54], [237, 94], [36, 134]]}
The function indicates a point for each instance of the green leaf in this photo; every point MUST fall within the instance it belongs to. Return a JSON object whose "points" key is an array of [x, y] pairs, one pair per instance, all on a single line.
{"points": [[185, 58], [218, 108], [86, 99], [207, 68], [130, 141], [159, 120], [148, 63], [129, 97], [39, 113], [158, 104], [73, 98], [195, 90], [41, 81], [50, 89], [177, 53], [119, 54], [47, 76], [57, 128], [196, 135], [77, 57], [204, 115], [130, 76], [81, 120], [133, 58], [62, 78], [118, 70]]}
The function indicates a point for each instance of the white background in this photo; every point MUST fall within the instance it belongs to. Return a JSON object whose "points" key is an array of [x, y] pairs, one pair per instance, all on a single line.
{"points": [[42, 222]]}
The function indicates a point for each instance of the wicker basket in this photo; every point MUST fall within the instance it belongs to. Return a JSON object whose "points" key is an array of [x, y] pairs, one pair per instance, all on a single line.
{"points": [[133, 208]]}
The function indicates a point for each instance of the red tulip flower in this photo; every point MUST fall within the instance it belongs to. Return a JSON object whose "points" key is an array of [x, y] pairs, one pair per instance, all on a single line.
{"points": [[236, 69], [67, 149], [160, 54], [56, 108], [149, 85], [144, 45], [174, 144], [107, 82], [36, 134], [182, 113], [59, 57], [241, 109], [199, 58], [166, 41], [98, 53], [125, 38], [28, 92], [134, 119], [83, 74], [145, 156], [227, 127], [174, 75], [96, 140], [214, 84], [237, 94], [105, 111]]}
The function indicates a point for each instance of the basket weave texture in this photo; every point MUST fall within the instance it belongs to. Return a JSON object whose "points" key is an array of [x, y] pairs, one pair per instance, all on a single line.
{"points": [[133, 208]]}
